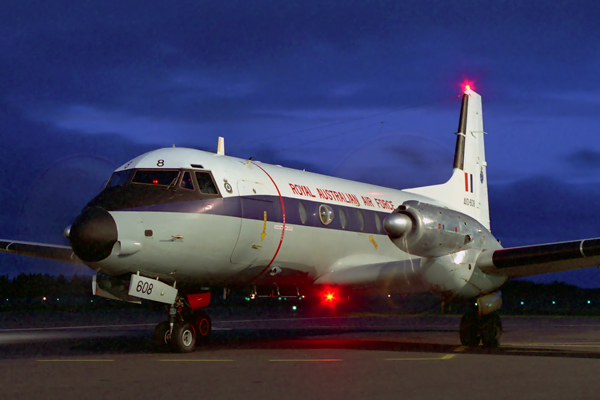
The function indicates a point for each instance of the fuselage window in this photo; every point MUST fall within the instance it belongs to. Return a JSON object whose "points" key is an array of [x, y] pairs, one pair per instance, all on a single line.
{"points": [[119, 178], [158, 178], [326, 214], [302, 212], [378, 222], [361, 220], [186, 181], [205, 183], [343, 220]]}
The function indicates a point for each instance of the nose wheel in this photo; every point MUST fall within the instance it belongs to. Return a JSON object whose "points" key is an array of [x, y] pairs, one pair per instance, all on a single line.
{"points": [[189, 328]]}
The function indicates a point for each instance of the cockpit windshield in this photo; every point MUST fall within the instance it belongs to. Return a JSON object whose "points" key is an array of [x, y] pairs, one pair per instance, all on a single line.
{"points": [[119, 178], [155, 177], [177, 180]]}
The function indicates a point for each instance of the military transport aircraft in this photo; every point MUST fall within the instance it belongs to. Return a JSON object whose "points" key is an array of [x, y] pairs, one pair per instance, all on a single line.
{"points": [[178, 216]]}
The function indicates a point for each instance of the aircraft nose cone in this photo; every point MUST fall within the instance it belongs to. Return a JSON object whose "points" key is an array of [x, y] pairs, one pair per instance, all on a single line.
{"points": [[93, 234]]}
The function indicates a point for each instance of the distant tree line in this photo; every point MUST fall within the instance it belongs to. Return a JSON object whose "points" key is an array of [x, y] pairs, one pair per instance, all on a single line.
{"points": [[40, 285]]}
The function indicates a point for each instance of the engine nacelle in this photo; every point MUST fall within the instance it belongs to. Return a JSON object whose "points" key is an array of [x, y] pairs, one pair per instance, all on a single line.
{"points": [[426, 230]]}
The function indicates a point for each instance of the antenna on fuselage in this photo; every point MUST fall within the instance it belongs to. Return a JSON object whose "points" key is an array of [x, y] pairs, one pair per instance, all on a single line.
{"points": [[248, 162], [221, 147]]}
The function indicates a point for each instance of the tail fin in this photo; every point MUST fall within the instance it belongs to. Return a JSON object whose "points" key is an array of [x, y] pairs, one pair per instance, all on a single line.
{"points": [[466, 191]]}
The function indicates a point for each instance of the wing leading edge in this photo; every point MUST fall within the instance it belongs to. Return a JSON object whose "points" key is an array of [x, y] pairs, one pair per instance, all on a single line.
{"points": [[518, 262], [40, 250]]}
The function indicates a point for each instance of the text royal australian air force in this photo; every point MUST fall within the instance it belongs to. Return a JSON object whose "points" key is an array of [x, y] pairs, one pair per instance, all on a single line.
{"points": [[341, 197]]}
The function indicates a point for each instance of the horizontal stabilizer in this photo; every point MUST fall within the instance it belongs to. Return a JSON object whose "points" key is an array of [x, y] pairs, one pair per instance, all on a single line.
{"points": [[518, 262], [40, 250]]}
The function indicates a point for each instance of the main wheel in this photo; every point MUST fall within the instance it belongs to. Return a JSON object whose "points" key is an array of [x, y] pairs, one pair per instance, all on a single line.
{"points": [[491, 330], [183, 338], [469, 329], [160, 342], [203, 326]]}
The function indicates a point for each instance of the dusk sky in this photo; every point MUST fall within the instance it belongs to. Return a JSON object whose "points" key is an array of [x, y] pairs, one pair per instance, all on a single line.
{"points": [[362, 90]]}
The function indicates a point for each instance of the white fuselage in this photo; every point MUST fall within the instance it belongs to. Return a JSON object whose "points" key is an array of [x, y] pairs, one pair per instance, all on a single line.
{"points": [[265, 226]]}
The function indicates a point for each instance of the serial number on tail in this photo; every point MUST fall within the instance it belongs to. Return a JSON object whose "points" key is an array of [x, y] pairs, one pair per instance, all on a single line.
{"points": [[469, 202]]}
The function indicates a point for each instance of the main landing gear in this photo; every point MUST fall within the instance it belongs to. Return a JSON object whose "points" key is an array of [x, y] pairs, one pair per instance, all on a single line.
{"points": [[486, 329], [483, 325], [185, 329]]}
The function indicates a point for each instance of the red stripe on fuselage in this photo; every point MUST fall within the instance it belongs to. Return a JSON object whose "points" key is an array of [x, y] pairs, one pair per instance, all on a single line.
{"points": [[283, 218], [466, 182]]}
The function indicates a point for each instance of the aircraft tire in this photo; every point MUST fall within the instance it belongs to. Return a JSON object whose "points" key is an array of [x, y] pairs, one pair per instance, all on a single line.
{"points": [[183, 338], [203, 326], [159, 337], [491, 330], [469, 330]]}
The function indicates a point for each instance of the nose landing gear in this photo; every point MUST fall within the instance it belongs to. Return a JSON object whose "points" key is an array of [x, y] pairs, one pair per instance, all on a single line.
{"points": [[184, 330]]}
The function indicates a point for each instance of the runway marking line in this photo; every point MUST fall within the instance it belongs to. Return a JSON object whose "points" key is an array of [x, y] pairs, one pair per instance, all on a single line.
{"points": [[73, 327], [554, 344], [194, 360], [460, 349], [306, 360], [446, 357], [76, 360]]}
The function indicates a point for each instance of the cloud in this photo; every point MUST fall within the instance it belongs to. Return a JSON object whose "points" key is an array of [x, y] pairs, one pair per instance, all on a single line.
{"points": [[584, 159]]}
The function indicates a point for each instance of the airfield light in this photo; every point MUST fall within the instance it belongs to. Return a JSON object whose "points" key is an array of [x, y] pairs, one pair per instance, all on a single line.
{"points": [[294, 308], [589, 302], [155, 181], [522, 303], [44, 298], [553, 302]]}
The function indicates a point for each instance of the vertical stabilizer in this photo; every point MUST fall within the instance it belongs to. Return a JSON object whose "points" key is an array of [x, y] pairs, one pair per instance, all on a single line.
{"points": [[466, 191]]}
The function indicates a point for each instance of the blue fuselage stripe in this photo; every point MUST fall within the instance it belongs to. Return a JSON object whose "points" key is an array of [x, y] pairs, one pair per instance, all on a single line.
{"points": [[253, 207]]}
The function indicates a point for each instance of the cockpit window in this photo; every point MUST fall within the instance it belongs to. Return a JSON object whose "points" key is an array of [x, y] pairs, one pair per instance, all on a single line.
{"points": [[186, 181], [205, 183], [158, 178], [119, 178]]}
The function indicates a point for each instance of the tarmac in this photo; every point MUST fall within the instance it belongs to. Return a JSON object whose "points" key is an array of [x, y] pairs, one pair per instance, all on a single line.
{"points": [[275, 355]]}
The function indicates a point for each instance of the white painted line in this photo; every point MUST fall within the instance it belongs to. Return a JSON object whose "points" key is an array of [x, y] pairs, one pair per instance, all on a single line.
{"points": [[76, 360], [195, 360], [73, 327], [307, 360]]}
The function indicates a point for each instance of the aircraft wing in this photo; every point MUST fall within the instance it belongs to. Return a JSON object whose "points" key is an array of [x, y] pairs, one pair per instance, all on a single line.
{"points": [[518, 262], [40, 250]]}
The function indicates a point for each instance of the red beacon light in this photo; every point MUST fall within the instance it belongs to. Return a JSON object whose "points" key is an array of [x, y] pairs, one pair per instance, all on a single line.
{"points": [[467, 86], [330, 297]]}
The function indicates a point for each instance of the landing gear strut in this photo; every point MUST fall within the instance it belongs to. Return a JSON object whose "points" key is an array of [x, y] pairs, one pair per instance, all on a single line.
{"points": [[487, 329], [184, 330]]}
